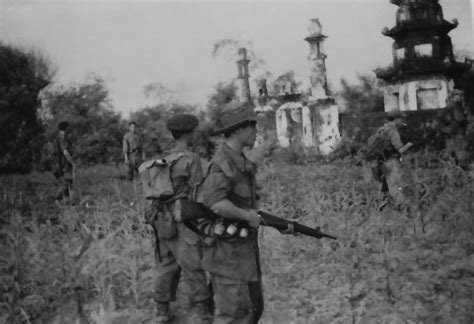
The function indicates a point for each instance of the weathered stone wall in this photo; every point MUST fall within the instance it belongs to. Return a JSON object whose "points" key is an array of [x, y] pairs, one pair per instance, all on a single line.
{"points": [[289, 124], [419, 94], [321, 125]]}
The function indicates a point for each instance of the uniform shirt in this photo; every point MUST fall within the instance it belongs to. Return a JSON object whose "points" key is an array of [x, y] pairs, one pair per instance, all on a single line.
{"points": [[132, 143], [232, 176], [392, 134], [63, 143], [185, 172]]}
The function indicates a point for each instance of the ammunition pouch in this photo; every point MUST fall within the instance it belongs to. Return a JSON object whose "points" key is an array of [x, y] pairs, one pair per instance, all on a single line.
{"points": [[160, 217]]}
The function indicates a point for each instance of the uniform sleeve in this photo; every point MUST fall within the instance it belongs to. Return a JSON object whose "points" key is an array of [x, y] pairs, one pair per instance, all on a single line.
{"points": [[125, 144], [394, 137], [196, 173], [215, 188], [63, 145]]}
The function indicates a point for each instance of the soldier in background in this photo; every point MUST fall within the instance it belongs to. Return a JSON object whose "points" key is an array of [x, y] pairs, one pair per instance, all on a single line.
{"points": [[384, 149], [66, 167], [132, 151], [453, 126], [178, 248]]}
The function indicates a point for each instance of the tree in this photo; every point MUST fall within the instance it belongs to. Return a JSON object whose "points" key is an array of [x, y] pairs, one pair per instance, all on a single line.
{"points": [[285, 83], [94, 126], [23, 74], [364, 96], [152, 125], [225, 92]]}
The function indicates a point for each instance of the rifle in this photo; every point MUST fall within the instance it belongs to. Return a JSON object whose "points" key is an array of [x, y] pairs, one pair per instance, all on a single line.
{"points": [[187, 210]]}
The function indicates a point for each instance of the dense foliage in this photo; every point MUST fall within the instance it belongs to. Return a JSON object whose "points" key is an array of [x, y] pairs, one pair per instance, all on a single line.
{"points": [[366, 95], [92, 262], [95, 128], [22, 76]]}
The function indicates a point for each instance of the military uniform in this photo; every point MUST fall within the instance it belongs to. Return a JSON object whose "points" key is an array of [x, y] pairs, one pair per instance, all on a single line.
{"points": [[132, 147], [64, 172], [233, 262], [179, 249], [387, 168]]}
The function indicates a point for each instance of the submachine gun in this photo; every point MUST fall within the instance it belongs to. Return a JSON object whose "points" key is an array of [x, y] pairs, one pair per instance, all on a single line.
{"points": [[188, 211]]}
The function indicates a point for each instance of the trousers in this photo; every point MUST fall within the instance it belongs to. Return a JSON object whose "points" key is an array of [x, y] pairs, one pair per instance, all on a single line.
{"points": [[179, 257], [237, 302]]}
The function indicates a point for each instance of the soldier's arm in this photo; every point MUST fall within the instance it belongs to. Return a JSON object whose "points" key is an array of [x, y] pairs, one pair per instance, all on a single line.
{"points": [[397, 142], [196, 173], [227, 209], [125, 148], [65, 150], [215, 197]]}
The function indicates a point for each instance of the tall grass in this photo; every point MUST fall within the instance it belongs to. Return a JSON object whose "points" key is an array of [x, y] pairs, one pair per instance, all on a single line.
{"points": [[91, 261]]}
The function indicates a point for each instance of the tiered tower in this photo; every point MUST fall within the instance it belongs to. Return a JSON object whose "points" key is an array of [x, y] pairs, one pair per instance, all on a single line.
{"points": [[243, 76], [423, 61], [317, 59]]}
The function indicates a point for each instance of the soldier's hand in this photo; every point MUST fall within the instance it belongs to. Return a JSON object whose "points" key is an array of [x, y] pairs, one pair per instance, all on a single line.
{"points": [[253, 218]]}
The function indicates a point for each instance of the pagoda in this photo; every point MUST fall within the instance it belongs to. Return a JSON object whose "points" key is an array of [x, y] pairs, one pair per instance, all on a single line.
{"points": [[423, 61]]}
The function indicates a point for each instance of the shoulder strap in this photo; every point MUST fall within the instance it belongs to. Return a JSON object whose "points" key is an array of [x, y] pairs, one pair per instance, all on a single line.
{"points": [[223, 165]]}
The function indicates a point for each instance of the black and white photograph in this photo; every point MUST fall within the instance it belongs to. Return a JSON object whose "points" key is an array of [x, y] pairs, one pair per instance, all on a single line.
{"points": [[236, 162]]}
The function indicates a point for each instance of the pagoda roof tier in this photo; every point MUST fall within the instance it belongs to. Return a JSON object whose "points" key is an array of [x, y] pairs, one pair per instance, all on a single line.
{"points": [[319, 37], [399, 30], [422, 67], [398, 2]]}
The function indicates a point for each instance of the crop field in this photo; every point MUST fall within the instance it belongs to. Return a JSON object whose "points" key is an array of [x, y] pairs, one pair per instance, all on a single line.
{"points": [[91, 261]]}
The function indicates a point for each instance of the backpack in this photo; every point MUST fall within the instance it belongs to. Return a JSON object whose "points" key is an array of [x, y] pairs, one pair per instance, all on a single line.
{"points": [[378, 145], [155, 177]]}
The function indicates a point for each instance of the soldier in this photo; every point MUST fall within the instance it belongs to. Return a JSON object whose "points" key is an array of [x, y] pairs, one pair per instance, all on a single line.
{"points": [[178, 247], [66, 167], [132, 150], [229, 190], [387, 149]]}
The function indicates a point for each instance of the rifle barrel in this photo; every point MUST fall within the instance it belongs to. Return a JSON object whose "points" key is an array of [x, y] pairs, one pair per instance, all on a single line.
{"points": [[186, 210]]}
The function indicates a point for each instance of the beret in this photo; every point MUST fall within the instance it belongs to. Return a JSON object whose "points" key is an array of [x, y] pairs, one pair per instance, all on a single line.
{"points": [[182, 123], [63, 125]]}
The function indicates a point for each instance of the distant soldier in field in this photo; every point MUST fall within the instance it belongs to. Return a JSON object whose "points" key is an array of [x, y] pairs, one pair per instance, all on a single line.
{"points": [[65, 171], [132, 150], [453, 126], [385, 148], [230, 190], [178, 248]]}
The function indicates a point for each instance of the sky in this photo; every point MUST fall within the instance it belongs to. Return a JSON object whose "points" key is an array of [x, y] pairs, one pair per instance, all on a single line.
{"points": [[134, 43]]}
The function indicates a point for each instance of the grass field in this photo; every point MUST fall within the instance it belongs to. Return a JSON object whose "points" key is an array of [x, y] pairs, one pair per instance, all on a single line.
{"points": [[92, 261]]}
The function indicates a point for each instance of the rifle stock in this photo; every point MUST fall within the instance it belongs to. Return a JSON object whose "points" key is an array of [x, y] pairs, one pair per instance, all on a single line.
{"points": [[187, 210]]}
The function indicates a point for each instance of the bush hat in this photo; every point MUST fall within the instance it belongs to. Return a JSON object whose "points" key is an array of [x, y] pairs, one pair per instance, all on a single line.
{"points": [[235, 115], [182, 123]]}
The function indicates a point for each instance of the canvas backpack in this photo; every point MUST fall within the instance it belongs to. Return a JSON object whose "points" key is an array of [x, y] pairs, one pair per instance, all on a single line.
{"points": [[378, 145], [155, 177]]}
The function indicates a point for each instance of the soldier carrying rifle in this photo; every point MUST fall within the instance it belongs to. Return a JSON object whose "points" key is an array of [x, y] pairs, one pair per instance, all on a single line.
{"points": [[229, 194]]}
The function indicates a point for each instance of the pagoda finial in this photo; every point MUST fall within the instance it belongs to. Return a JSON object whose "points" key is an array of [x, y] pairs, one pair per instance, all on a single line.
{"points": [[315, 27]]}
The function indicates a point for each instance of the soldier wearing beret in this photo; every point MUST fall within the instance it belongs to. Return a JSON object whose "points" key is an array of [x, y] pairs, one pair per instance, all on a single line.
{"points": [[179, 248], [230, 190], [132, 150]]}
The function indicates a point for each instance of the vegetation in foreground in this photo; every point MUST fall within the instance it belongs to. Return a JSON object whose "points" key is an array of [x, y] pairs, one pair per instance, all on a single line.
{"points": [[92, 261]]}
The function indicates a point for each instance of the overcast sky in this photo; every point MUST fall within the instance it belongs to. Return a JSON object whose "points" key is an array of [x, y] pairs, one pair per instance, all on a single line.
{"points": [[134, 43]]}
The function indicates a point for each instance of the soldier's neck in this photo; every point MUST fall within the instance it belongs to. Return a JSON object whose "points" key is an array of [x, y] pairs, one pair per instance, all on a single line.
{"points": [[234, 144], [181, 145]]}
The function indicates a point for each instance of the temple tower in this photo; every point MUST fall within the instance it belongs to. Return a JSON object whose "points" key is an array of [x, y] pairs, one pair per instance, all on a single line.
{"points": [[317, 57], [423, 61], [243, 76]]}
